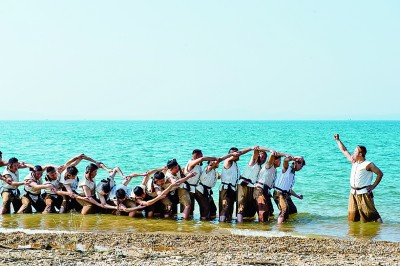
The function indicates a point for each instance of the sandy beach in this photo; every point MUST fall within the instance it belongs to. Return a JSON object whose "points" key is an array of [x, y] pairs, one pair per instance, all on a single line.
{"points": [[189, 249]]}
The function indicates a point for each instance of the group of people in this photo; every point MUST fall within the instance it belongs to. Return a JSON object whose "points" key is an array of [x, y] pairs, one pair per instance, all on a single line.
{"points": [[165, 189]]}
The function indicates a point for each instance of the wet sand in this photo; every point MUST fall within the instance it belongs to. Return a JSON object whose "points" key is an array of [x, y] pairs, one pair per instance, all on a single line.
{"points": [[189, 249]]}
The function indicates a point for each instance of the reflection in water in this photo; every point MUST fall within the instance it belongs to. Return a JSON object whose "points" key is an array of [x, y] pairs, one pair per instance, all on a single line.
{"points": [[302, 225], [364, 230]]}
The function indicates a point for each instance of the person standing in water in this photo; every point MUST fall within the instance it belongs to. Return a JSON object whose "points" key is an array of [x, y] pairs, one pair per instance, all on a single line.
{"points": [[246, 206], [283, 188], [361, 200], [265, 182]]}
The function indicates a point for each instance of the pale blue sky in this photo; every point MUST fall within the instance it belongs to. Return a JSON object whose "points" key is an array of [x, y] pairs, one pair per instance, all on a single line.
{"points": [[200, 60]]}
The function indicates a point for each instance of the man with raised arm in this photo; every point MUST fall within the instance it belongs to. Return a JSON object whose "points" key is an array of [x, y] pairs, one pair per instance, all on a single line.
{"points": [[10, 193], [246, 205], [265, 182], [284, 187], [194, 165], [361, 199], [229, 177]]}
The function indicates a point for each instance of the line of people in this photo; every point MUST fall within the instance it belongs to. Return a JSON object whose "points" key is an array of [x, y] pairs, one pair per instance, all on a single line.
{"points": [[162, 190]]}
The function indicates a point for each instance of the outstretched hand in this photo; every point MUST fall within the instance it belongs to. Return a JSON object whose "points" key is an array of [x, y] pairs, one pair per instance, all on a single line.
{"points": [[336, 136]]}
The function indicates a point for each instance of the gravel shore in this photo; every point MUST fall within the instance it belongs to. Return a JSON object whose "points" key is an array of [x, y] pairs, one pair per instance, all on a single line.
{"points": [[189, 249]]}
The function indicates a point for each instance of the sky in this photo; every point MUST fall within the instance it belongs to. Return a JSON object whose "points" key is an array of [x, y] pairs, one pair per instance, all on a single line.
{"points": [[199, 60]]}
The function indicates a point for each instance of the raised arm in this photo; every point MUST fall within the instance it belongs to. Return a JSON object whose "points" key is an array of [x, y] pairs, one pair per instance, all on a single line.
{"points": [[342, 148], [244, 151], [373, 168], [195, 162], [24, 165], [254, 158], [229, 155], [148, 174], [128, 178], [286, 163], [184, 179], [74, 161]]}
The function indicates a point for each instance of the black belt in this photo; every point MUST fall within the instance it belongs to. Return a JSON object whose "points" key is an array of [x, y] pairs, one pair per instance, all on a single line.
{"points": [[246, 180], [265, 188], [230, 186], [206, 188], [359, 188], [284, 192], [13, 191]]}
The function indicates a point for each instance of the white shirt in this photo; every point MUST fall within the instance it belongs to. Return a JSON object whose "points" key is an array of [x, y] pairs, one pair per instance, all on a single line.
{"points": [[86, 182], [230, 176], [251, 172], [267, 177], [152, 188], [208, 179], [31, 189], [169, 175], [14, 176], [194, 180], [73, 183], [99, 187], [55, 183], [286, 180], [360, 177]]}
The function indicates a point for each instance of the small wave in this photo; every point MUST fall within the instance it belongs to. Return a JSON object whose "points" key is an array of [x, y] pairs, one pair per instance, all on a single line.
{"points": [[248, 232]]}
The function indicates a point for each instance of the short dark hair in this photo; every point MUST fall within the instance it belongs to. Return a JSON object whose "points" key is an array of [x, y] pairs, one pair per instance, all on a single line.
{"points": [[12, 160], [36, 168], [196, 151], [363, 150], [172, 163], [72, 170], [91, 167], [120, 193], [159, 175], [234, 149], [50, 169], [138, 191], [105, 185]]}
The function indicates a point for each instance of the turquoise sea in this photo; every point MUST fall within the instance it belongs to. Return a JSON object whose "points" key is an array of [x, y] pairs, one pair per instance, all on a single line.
{"points": [[137, 146]]}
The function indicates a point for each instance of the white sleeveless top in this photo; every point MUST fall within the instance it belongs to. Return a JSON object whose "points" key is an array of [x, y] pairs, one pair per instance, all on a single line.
{"points": [[177, 177], [286, 180], [14, 176], [152, 188], [194, 180], [31, 189], [267, 177], [230, 176], [360, 177], [73, 183], [208, 179], [251, 172], [56, 183], [89, 184]]}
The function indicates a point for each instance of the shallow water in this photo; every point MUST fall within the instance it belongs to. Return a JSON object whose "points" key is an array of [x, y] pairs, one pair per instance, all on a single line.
{"points": [[137, 146], [298, 226]]}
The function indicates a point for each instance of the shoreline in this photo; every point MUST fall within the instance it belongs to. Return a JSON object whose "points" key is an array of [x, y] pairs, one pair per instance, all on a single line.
{"points": [[190, 249]]}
